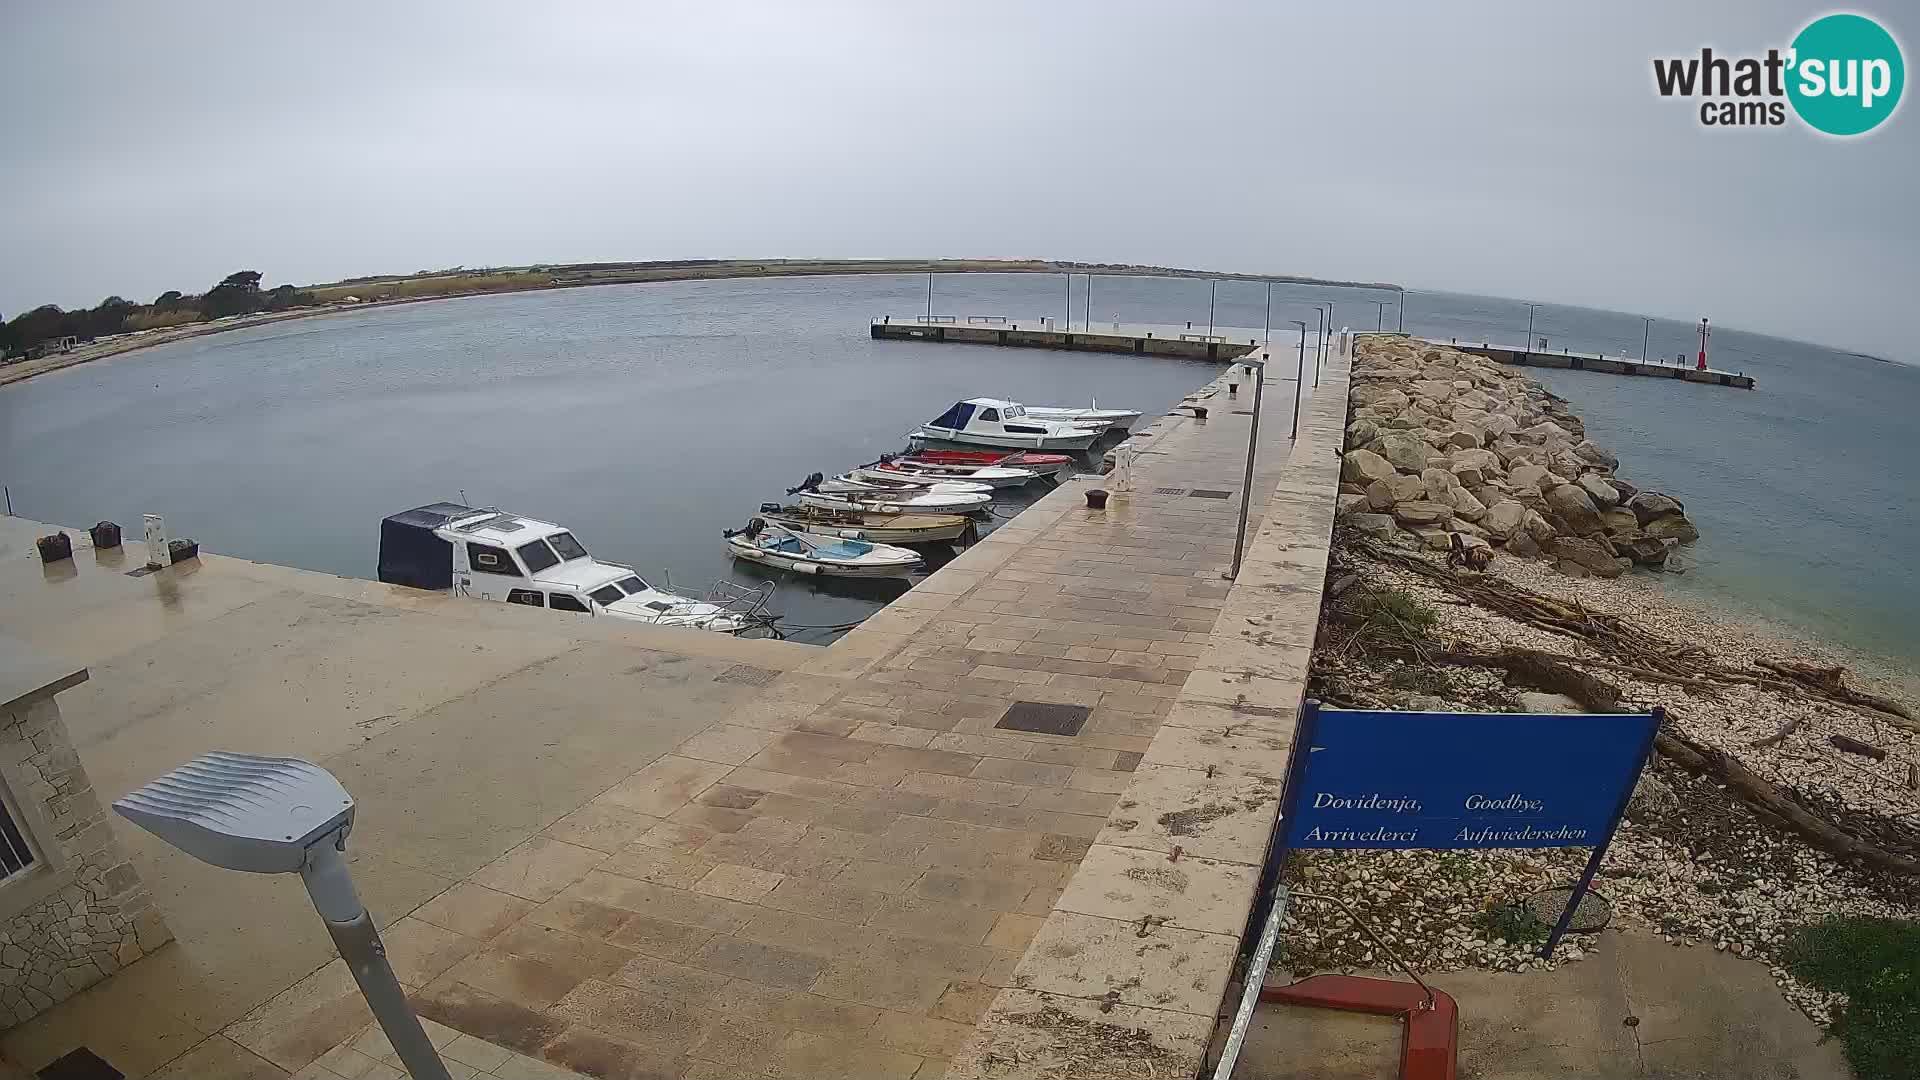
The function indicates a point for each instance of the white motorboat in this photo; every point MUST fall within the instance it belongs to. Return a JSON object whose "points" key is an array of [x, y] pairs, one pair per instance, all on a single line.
{"points": [[492, 555], [805, 552], [897, 502], [889, 485], [993, 422], [862, 525], [1113, 419], [887, 470]]}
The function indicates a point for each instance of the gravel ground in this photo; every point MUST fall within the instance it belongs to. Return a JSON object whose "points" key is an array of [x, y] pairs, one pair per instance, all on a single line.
{"points": [[1689, 863]]}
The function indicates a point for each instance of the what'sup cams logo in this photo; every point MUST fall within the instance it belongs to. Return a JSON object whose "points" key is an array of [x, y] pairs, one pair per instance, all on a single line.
{"points": [[1842, 76]]}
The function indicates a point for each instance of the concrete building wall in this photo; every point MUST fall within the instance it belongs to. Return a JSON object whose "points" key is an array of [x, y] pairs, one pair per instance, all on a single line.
{"points": [[78, 912]]}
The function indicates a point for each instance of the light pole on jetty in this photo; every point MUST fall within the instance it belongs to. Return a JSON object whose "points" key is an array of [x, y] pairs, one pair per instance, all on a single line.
{"points": [[1267, 325], [929, 297], [1246, 483], [1379, 314], [1087, 314], [1323, 317], [1403, 310], [1299, 375], [1527, 345], [1212, 287], [1646, 329], [1069, 302]]}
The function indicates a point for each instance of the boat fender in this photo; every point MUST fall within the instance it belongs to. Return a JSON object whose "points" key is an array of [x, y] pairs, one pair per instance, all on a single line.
{"points": [[806, 567]]}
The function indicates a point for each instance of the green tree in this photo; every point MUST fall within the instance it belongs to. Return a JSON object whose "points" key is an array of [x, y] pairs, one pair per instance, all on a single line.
{"points": [[237, 294], [169, 300]]}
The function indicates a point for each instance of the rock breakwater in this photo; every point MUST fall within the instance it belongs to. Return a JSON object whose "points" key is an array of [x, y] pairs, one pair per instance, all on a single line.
{"points": [[1453, 452]]}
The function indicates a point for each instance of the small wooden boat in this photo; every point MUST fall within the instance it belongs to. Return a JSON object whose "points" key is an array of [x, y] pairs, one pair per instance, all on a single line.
{"points": [[993, 422], [862, 525], [806, 552], [993, 476], [902, 502], [1113, 419], [1044, 464], [891, 485]]}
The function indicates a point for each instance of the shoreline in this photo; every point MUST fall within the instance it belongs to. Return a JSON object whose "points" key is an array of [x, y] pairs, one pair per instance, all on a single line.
{"points": [[588, 275]]}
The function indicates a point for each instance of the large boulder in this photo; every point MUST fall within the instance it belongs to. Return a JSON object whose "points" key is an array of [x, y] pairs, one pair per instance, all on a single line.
{"points": [[1378, 394], [1349, 504], [1364, 467], [1460, 439], [1589, 451], [1361, 432], [1422, 512], [1375, 524], [1672, 527], [1504, 518], [1619, 522], [1437, 481], [1464, 504], [1431, 389], [1574, 506], [1646, 551], [1627, 491], [1469, 476], [1538, 527], [1529, 477], [1523, 544], [1602, 493], [1596, 556], [1486, 461], [1648, 505], [1497, 424], [1398, 488], [1546, 433], [1408, 453]]}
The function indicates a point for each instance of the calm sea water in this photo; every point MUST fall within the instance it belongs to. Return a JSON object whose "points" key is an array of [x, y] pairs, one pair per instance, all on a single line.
{"points": [[650, 417]]}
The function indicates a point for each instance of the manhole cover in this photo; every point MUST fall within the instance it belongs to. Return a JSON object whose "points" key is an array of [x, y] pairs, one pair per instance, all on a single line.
{"points": [[1169, 491], [748, 674], [1209, 493], [1042, 718], [80, 1064], [1591, 915]]}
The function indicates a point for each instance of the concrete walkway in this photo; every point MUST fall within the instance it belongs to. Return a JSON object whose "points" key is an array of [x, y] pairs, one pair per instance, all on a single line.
{"points": [[1636, 1007], [671, 853]]}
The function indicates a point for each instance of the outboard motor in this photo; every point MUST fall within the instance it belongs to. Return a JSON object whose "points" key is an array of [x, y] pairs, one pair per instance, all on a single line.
{"points": [[811, 483], [753, 529]]}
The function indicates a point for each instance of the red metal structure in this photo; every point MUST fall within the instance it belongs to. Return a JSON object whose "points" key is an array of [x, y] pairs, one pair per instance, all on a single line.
{"points": [[1705, 333], [1430, 1037]]}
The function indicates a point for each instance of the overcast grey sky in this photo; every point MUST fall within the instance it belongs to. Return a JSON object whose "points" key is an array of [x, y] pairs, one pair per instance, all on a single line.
{"points": [[1514, 149]]}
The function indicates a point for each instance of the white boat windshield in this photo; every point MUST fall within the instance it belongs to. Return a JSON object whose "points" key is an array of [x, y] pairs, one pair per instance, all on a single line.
{"points": [[540, 554], [567, 546], [1013, 411], [607, 594], [632, 584]]}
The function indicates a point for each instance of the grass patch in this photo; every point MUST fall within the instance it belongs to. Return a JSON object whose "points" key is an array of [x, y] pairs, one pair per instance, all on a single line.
{"points": [[1515, 922], [1876, 963], [1395, 612]]}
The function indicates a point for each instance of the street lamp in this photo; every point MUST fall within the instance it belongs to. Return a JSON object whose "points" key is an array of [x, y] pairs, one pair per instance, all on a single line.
{"points": [[1212, 287], [1299, 375], [1646, 329], [1527, 346], [1379, 314], [1246, 483], [277, 815], [1403, 310], [1267, 326]]}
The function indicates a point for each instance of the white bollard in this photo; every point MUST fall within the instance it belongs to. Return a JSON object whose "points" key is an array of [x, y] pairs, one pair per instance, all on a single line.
{"points": [[158, 555]]}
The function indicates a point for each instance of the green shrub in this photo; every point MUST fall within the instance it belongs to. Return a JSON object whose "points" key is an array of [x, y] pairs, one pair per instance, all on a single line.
{"points": [[1876, 963]]}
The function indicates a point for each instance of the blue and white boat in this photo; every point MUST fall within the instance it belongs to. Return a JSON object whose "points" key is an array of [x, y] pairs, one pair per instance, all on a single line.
{"points": [[994, 422], [805, 552]]}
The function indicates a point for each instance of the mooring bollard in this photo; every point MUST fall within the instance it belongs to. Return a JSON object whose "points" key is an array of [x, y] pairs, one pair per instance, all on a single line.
{"points": [[55, 547], [106, 535], [1096, 499]]}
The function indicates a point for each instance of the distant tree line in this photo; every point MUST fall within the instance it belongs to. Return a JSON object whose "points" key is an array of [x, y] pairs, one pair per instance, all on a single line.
{"points": [[238, 293]]}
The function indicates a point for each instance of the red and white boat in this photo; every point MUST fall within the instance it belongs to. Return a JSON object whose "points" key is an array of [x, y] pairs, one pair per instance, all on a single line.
{"points": [[994, 476], [1043, 464]]}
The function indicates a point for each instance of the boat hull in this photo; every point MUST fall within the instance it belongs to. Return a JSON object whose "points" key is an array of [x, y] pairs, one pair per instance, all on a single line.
{"points": [[946, 527], [1114, 419], [993, 478], [801, 564], [1043, 464], [878, 502], [1078, 440]]}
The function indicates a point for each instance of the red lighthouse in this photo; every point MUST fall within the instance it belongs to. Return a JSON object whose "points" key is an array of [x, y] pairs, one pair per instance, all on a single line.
{"points": [[1705, 333]]}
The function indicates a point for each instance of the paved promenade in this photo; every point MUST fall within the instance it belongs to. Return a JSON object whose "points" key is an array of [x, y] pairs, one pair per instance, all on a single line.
{"points": [[678, 855]]}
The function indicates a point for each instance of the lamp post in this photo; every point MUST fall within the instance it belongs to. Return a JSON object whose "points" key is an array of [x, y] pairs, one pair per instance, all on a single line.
{"points": [[1403, 310], [1325, 320], [1527, 346], [1646, 330], [929, 296], [1068, 303], [1379, 314], [276, 815], [1212, 288], [1299, 375], [1267, 326], [1246, 483], [1087, 313]]}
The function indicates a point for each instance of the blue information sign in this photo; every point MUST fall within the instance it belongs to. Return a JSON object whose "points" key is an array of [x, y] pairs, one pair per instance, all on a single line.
{"points": [[1464, 780]]}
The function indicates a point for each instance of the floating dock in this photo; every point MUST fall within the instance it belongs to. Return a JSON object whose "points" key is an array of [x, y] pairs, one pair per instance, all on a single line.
{"points": [[1568, 359], [1141, 339]]}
